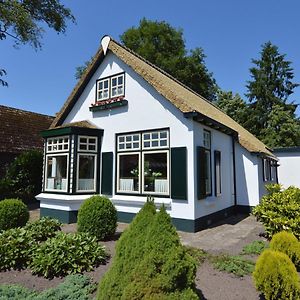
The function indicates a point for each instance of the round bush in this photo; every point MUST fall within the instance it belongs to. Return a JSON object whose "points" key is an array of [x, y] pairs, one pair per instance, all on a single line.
{"points": [[276, 277], [287, 243], [98, 217], [13, 213]]}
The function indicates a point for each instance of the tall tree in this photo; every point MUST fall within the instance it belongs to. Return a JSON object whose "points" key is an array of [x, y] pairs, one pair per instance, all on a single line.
{"points": [[22, 20], [268, 94], [164, 46]]}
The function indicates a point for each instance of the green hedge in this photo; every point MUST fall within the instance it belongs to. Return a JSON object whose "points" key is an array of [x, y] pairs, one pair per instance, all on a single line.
{"points": [[280, 211], [98, 217], [13, 213]]}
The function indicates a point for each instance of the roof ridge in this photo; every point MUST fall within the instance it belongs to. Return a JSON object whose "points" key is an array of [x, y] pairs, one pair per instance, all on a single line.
{"points": [[24, 110]]}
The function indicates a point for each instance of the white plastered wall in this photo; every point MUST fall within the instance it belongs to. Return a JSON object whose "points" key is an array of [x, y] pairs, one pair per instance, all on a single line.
{"points": [[146, 109]]}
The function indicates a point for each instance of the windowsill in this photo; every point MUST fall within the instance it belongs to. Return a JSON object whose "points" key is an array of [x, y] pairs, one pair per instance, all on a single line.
{"points": [[109, 104]]}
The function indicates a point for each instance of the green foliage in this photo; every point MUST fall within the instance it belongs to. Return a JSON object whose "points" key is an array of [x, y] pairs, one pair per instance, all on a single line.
{"points": [[43, 229], [13, 213], [199, 255], [255, 248], [280, 211], [287, 243], [273, 188], [75, 287], [273, 119], [23, 178], [98, 217], [276, 276], [150, 262], [15, 249], [233, 264], [67, 253]]}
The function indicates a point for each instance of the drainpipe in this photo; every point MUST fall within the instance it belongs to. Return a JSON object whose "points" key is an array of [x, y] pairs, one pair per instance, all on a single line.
{"points": [[234, 172]]}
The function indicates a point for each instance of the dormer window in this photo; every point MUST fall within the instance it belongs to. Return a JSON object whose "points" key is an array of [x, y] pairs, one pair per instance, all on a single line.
{"points": [[110, 87]]}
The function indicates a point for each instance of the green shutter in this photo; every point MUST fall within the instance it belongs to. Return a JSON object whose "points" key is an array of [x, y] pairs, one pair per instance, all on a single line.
{"points": [[107, 173], [201, 170], [179, 173]]}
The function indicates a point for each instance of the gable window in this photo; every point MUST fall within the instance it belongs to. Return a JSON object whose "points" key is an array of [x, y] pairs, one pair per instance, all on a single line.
{"points": [[207, 163], [217, 160], [110, 87], [143, 167]]}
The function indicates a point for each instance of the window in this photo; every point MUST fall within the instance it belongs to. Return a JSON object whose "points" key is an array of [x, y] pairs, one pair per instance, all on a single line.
{"points": [[217, 159], [143, 170], [57, 172], [110, 87], [207, 163], [269, 169], [58, 144], [86, 169], [87, 143]]}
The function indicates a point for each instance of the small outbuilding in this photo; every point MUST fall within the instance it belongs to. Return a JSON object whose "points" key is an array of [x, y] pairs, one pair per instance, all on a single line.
{"points": [[129, 130]]}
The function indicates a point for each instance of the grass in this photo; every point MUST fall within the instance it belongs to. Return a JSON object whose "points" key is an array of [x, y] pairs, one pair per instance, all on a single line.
{"points": [[237, 265], [254, 248], [198, 254]]}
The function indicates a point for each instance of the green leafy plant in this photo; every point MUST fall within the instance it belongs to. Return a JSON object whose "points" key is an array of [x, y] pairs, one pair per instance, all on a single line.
{"points": [[287, 243], [13, 213], [67, 253], [276, 277], [23, 178], [280, 211], [15, 249], [150, 262], [16, 292], [98, 217], [43, 229], [198, 254], [237, 265], [255, 248]]}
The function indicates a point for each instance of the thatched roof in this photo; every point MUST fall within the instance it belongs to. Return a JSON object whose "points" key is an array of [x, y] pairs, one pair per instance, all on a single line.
{"points": [[20, 129], [81, 124], [186, 100]]}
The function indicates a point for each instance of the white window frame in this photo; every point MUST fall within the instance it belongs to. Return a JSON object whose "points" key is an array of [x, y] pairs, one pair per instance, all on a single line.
{"points": [[117, 86], [143, 175], [99, 90], [87, 143], [126, 142], [67, 174], [159, 139], [95, 172], [52, 139], [118, 172]]}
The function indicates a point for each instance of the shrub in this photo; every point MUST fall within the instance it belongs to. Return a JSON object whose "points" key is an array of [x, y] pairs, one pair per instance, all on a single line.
{"points": [[43, 229], [16, 292], [280, 211], [98, 217], [276, 276], [15, 249], [254, 248], [287, 243], [67, 253], [23, 178], [161, 268], [13, 213], [233, 264]]}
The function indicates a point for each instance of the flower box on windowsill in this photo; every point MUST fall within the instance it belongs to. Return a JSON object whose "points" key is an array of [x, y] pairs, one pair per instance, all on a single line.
{"points": [[108, 104]]}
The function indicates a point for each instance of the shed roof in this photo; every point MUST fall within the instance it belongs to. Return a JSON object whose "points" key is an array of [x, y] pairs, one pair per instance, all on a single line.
{"points": [[20, 129], [185, 99]]}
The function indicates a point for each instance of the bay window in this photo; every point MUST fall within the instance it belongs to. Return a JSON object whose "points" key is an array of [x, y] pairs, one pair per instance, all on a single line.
{"points": [[143, 163]]}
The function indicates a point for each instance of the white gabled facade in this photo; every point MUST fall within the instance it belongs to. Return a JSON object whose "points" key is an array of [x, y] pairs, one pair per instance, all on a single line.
{"points": [[240, 182]]}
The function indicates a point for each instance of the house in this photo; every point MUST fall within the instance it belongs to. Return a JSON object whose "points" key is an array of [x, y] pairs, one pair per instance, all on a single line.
{"points": [[289, 166], [19, 132], [129, 130]]}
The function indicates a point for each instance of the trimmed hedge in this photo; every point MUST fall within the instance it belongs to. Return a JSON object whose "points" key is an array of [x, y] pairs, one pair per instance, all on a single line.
{"points": [[280, 211], [276, 277], [98, 217], [13, 213], [287, 243], [150, 262]]}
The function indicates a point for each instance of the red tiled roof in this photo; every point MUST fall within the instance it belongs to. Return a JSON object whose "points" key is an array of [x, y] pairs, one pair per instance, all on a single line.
{"points": [[20, 129]]}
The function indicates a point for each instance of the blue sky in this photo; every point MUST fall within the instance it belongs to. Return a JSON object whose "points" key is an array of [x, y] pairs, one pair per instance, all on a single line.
{"points": [[230, 32]]}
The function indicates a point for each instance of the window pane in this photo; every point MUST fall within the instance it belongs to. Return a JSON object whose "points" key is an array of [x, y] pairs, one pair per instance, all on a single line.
{"points": [[156, 173], [83, 140], [147, 136], [207, 172], [155, 135], [56, 173], [121, 138], [114, 81], [106, 84], [120, 80], [163, 135], [129, 173], [146, 144], [86, 173]]}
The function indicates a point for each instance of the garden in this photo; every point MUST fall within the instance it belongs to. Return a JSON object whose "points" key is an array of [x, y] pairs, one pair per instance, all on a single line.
{"points": [[44, 259]]}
